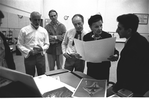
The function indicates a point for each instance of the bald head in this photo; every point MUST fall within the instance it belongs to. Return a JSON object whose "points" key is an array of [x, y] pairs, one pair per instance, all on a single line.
{"points": [[35, 14], [35, 19], [78, 21]]}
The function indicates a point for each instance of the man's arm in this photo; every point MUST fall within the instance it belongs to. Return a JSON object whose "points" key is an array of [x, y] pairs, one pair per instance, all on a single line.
{"points": [[59, 37], [20, 43], [64, 46], [46, 42]]}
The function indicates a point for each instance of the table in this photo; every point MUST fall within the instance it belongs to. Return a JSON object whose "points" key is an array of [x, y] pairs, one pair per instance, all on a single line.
{"points": [[24, 85], [70, 78], [74, 78]]}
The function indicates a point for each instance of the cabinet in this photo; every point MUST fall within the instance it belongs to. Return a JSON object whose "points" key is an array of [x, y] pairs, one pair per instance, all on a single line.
{"points": [[11, 25]]}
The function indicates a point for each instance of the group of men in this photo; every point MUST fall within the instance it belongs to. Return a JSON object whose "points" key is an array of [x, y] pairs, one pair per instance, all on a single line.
{"points": [[133, 65]]}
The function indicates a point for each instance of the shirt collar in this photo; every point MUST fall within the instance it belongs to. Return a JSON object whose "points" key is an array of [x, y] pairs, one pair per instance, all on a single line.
{"points": [[34, 27], [57, 23]]}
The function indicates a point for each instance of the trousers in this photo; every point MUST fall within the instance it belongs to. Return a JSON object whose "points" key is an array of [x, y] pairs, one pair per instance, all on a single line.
{"points": [[74, 64], [34, 62], [52, 59]]}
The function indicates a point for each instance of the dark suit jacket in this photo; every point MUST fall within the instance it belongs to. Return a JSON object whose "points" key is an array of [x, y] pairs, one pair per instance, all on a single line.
{"points": [[133, 66], [8, 54]]}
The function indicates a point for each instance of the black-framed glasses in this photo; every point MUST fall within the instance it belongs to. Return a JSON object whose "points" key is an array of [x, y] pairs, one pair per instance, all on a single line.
{"points": [[52, 15]]}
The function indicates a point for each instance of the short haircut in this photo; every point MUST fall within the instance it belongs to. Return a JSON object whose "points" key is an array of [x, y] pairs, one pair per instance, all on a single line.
{"points": [[34, 13], [129, 21], [79, 15], [94, 18], [52, 11], [1, 14]]}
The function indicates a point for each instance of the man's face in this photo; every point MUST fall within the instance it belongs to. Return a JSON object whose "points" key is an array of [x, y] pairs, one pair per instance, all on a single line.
{"points": [[36, 20], [123, 33], [0, 21], [53, 16], [78, 24], [97, 27]]}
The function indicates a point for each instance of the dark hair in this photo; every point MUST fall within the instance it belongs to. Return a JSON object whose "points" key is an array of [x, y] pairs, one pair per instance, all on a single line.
{"points": [[1, 14], [129, 21], [94, 18], [52, 11], [79, 15]]}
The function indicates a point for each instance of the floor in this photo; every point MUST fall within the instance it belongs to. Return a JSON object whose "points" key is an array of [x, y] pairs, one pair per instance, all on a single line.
{"points": [[19, 61]]}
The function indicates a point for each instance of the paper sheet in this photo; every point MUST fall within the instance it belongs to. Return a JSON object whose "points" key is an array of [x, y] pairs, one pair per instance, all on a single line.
{"points": [[47, 83], [95, 51]]}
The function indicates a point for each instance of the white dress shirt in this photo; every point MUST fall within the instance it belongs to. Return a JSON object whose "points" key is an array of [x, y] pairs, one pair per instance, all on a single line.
{"points": [[30, 37], [67, 44]]}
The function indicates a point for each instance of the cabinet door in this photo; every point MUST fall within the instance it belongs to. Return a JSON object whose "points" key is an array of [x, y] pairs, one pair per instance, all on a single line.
{"points": [[12, 20]]}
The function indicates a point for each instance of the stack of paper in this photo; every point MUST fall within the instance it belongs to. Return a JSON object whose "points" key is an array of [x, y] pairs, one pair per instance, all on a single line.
{"points": [[46, 84]]}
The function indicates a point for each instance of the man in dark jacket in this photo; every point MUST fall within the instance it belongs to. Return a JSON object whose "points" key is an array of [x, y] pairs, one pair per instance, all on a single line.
{"points": [[133, 65], [6, 56]]}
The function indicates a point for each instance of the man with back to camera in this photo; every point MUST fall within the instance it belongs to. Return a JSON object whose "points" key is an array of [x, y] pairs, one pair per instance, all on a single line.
{"points": [[6, 57], [33, 41], [56, 32], [133, 65], [73, 61]]}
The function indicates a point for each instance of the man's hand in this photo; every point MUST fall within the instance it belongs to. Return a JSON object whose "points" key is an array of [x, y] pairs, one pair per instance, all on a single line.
{"points": [[113, 57], [37, 49], [66, 55], [31, 52], [77, 56]]}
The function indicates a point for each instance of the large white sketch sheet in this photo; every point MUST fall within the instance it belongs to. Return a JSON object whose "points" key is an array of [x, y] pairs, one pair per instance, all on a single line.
{"points": [[95, 51]]}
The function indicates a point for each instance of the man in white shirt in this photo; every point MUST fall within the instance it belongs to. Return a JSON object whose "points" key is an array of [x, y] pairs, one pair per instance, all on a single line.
{"points": [[33, 41], [73, 61]]}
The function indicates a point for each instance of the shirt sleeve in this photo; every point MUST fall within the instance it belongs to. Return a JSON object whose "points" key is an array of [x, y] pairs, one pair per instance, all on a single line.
{"points": [[20, 43], [65, 43], [46, 43], [63, 30]]}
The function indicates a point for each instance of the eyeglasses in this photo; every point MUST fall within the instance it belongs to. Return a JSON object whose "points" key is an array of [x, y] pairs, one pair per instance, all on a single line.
{"points": [[53, 16]]}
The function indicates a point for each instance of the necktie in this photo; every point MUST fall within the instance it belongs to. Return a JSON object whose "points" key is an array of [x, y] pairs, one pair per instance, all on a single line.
{"points": [[78, 35]]}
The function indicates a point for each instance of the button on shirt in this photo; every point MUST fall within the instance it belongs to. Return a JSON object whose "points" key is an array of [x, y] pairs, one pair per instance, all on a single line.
{"points": [[30, 37], [67, 44]]}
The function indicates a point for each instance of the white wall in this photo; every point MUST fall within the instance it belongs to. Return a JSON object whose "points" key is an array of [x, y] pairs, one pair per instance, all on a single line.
{"points": [[114, 8], [21, 7], [109, 9], [71, 7]]}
